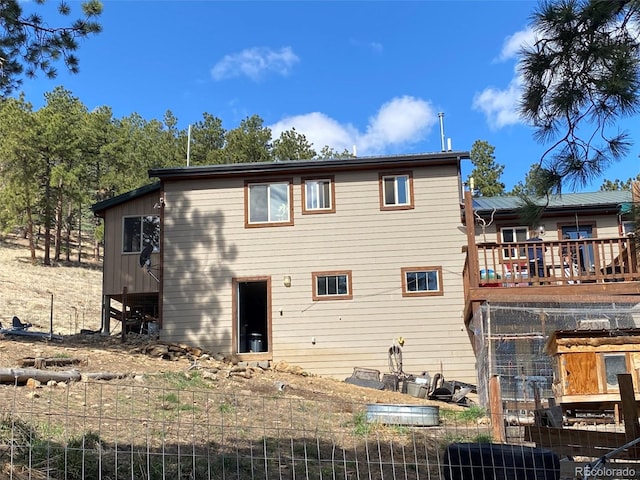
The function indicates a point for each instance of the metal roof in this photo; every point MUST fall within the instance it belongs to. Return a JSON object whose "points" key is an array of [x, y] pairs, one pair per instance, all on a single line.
{"points": [[567, 201], [99, 207], [301, 166]]}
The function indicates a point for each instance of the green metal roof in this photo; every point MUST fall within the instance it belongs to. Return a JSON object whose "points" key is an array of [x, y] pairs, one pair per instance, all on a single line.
{"points": [[567, 201]]}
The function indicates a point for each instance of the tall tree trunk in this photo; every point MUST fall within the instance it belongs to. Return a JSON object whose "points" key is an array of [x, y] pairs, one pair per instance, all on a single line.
{"points": [[47, 225], [32, 244], [80, 233], [59, 223], [68, 222]]}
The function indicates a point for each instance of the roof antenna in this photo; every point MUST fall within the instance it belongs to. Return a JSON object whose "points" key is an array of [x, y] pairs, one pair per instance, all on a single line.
{"points": [[441, 117]]}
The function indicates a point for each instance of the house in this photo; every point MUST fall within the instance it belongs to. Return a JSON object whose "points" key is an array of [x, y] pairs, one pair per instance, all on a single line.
{"points": [[320, 263], [587, 272]]}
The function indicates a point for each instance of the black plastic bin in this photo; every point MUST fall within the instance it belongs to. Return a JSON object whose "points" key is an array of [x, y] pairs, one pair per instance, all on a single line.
{"points": [[493, 461]]}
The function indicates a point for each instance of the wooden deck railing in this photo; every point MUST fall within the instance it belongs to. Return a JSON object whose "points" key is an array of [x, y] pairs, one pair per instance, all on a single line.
{"points": [[591, 260]]}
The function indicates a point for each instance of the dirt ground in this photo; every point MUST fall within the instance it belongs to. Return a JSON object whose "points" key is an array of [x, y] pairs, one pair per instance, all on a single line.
{"points": [[68, 293]]}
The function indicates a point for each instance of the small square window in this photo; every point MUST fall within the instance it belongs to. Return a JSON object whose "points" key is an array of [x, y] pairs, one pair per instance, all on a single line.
{"points": [[140, 231], [421, 281], [268, 204], [331, 285], [318, 195], [396, 191]]}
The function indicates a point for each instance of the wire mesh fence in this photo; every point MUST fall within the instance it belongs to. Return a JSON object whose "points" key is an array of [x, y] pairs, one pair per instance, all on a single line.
{"points": [[106, 430], [141, 429]]}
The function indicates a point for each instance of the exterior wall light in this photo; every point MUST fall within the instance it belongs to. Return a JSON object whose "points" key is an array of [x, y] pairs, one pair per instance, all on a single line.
{"points": [[286, 281]]}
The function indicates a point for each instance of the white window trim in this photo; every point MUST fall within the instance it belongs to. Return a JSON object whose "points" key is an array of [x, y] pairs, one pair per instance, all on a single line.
{"points": [[289, 210], [421, 293], [335, 296]]}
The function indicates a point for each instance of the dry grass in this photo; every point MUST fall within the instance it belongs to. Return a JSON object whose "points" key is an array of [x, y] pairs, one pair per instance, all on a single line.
{"points": [[27, 290]]}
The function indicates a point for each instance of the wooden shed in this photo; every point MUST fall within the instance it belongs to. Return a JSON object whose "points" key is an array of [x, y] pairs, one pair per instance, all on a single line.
{"points": [[586, 364]]}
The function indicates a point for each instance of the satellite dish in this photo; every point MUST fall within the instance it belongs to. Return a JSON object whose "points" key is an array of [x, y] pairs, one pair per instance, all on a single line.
{"points": [[145, 260], [145, 255]]}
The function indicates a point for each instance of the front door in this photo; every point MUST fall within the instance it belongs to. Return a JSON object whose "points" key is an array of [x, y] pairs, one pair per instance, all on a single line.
{"points": [[252, 307]]}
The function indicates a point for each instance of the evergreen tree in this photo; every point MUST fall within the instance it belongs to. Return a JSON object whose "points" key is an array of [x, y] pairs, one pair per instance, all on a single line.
{"points": [[580, 77], [292, 145], [486, 172], [29, 44]]}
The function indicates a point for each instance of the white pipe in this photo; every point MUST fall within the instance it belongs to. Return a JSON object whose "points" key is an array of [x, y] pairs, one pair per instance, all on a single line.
{"points": [[441, 117], [188, 144]]}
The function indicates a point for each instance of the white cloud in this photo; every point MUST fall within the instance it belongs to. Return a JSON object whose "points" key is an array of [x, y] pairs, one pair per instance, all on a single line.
{"points": [[374, 46], [399, 123], [255, 63], [501, 106], [514, 43]]}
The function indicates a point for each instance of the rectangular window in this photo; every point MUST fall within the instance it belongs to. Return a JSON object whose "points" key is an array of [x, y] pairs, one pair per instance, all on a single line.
{"points": [[421, 281], [140, 231], [318, 195], [396, 191], [613, 365], [268, 203], [628, 227], [332, 285], [514, 235]]}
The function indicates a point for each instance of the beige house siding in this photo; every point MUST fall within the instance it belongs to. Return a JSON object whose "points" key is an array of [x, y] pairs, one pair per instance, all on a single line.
{"points": [[123, 269], [606, 226], [206, 246]]}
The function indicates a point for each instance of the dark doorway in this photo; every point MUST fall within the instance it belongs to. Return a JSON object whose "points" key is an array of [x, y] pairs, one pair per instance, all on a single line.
{"points": [[252, 316]]}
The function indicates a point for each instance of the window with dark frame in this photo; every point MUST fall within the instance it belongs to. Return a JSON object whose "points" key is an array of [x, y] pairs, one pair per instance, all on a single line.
{"points": [[140, 231], [422, 281], [332, 285], [514, 235]]}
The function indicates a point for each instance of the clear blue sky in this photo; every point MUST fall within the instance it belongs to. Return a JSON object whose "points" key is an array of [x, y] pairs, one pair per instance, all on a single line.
{"points": [[368, 73]]}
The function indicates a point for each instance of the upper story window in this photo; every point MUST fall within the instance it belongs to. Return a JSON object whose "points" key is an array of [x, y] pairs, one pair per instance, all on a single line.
{"points": [[140, 231], [421, 281], [514, 235], [268, 203], [318, 195], [332, 285], [396, 191]]}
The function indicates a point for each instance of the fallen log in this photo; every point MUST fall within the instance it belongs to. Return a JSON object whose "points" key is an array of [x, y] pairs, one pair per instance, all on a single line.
{"points": [[105, 376], [40, 362], [21, 375]]}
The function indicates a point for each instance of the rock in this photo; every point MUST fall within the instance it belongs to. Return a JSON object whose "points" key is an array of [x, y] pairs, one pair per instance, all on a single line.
{"points": [[32, 383]]}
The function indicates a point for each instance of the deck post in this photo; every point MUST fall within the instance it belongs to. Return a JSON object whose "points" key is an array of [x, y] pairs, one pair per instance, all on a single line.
{"points": [[472, 250]]}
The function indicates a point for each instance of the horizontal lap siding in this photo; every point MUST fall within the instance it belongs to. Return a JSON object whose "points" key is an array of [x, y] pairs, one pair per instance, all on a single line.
{"points": [[206, 245]]}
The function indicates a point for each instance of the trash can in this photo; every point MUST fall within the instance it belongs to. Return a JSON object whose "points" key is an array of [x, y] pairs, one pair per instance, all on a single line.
{"points": [[255, 342]]}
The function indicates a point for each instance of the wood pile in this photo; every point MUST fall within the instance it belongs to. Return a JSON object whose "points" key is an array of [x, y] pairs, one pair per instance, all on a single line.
{"points": [[173, 351]]}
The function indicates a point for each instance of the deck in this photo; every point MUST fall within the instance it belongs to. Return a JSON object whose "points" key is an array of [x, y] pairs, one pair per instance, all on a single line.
{"points": [[600, 267]]}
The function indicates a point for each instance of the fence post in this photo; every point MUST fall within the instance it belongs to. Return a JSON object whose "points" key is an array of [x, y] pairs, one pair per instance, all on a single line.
{"points": [[124, 313], [497, 413]]}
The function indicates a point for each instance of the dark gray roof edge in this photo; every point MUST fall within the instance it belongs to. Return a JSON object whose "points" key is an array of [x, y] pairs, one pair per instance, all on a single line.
{"points": [[301, 165], [124, 197]]}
